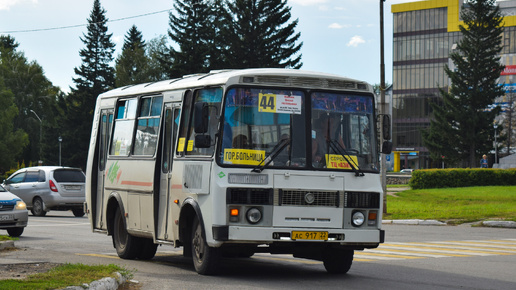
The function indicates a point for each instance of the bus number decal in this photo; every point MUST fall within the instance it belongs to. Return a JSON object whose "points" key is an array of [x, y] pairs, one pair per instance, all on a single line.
{"points": [[267, 103]]}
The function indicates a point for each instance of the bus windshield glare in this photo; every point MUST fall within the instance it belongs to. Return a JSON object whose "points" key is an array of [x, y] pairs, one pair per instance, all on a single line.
{"points": [[268, 127]]}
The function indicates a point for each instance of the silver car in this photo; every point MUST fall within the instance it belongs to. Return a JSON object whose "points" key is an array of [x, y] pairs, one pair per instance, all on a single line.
{"points": [[46, 188], [13, 213]]}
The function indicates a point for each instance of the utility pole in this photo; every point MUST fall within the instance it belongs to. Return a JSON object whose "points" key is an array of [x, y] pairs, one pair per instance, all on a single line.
{"points": [[383, 109]]}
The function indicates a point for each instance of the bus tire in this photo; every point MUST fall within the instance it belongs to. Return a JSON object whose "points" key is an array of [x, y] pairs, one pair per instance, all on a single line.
{"points": [[337, 261], [127, 246], [205, 258], [148, 249]]}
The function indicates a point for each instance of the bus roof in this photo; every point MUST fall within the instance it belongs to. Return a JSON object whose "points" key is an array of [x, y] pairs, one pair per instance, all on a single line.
{"points": [[259, 76]]}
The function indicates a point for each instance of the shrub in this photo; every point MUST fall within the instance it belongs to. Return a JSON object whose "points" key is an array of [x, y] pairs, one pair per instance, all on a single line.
{"points": [[459, 177]]}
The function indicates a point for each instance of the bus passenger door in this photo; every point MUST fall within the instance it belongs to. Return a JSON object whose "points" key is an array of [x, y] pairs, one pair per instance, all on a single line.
{"points": [[106, 123], [171, 121]]}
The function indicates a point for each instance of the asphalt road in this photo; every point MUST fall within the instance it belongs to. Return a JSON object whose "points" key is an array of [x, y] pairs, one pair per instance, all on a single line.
{"points": [[413, 257]]}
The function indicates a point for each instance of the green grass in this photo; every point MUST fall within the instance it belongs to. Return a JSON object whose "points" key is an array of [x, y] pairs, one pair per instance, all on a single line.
{"points": [[64, 276], [465, 204], [7, 238]]}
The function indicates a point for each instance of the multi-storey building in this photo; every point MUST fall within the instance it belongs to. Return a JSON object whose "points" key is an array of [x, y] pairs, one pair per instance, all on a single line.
{"points": [[424, 34]]}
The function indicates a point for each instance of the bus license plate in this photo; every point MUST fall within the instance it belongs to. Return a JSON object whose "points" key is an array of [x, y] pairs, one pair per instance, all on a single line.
{"points": [[298, 235], [7, 217]]}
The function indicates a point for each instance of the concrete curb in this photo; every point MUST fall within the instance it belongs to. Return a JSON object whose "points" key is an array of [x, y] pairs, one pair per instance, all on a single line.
{"points": [[415, 222], [493, 224], [108, 283], [6, 244], [499, 224]]}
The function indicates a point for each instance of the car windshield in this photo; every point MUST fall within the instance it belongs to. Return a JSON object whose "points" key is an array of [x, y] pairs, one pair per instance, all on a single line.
{"points": [[2, 189], [69, 175]]}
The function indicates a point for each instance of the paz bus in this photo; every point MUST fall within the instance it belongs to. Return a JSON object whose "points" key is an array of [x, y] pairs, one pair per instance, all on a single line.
{"points": [[237, 162]]}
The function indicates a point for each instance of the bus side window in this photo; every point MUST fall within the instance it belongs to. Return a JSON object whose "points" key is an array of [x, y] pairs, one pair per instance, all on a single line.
{"points": [[124, 125], [148, 126], [185, 123], [212, 97]]}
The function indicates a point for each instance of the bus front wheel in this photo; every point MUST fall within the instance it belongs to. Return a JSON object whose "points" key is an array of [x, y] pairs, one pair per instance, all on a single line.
{"points": [[126, 245], [337, 261], [205, 258]]}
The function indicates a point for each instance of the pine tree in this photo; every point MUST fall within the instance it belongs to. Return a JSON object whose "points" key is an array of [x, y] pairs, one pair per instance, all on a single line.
{"points": [[95, 73], [261, 35], [95, 76], [463, 128], [132, 65], [191, 28]]}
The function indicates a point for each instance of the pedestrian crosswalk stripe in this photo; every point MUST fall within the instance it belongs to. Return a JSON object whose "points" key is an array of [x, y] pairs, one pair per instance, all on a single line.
{"points": [[439, 249]]}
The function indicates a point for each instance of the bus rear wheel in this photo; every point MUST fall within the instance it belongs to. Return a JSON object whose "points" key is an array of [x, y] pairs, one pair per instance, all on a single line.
{"points": [[337, 261], [205, 258], [127, 246]]}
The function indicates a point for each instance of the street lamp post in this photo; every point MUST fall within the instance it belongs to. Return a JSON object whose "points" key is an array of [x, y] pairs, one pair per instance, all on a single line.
{"points": [[60, 140], [496, 144], [383, 110], [40, 134]]}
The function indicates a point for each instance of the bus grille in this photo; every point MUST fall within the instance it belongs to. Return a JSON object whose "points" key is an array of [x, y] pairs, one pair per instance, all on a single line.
{"points": [[309, 198], [362, 200], [261, 196]]}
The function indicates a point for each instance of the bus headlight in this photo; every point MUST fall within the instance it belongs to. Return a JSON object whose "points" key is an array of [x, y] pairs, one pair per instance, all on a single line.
{"points": [[254, 215], [358, 219]]}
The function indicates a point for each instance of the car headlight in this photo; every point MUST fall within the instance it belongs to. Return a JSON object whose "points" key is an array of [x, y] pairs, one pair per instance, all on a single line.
{"points": [[358, 219], [20, 205], [254, 215]]}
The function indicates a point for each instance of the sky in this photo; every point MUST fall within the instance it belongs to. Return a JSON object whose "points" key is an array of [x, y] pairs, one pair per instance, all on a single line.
{"points": [[339, 36]]}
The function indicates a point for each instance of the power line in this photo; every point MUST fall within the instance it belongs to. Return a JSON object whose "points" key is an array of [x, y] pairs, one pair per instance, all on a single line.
{"points": [[80, 25]]}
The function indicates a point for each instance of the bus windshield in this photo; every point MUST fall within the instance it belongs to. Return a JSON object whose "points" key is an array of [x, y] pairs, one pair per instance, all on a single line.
{"points": [[268, 128]]}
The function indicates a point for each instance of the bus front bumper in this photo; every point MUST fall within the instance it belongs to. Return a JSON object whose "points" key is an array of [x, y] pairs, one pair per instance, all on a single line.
{"points": [[268, 235]]}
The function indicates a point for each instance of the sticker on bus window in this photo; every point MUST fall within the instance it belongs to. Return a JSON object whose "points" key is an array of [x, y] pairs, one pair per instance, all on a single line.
{"points": [[181, 145], [190, 145], [243, 156], [285, 104], [336, 161]]}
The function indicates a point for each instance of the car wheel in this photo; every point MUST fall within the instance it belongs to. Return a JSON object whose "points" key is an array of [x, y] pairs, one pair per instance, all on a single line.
{"points": [[37, 207], [15, 232], [127, 246], [205, 258], [78, 212], [337, 261]]}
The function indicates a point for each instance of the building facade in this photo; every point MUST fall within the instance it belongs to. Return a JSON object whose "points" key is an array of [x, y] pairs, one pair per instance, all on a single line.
{"points": [[424, 34]]}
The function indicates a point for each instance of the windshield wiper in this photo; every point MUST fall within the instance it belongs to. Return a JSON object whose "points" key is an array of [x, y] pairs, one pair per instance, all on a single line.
{"points": [[276, 150], [341, 151]]}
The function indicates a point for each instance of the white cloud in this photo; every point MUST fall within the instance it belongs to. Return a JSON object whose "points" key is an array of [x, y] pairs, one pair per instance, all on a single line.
{"points": [[7, 4], [308, 2], [335, 26], [356, 40], [118, 39]]}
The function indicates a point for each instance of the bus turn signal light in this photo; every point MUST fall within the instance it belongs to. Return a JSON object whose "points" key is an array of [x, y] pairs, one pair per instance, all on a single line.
{"points": [[234, 215]]}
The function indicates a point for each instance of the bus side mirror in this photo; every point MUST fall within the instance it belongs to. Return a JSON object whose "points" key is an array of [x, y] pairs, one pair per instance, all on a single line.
{"points": [[386, 127], [386, 147], [202, 141], [201, 113]]}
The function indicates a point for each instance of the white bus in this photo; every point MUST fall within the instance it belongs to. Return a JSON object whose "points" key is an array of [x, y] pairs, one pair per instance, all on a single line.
{"points": [[238, 162]]}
